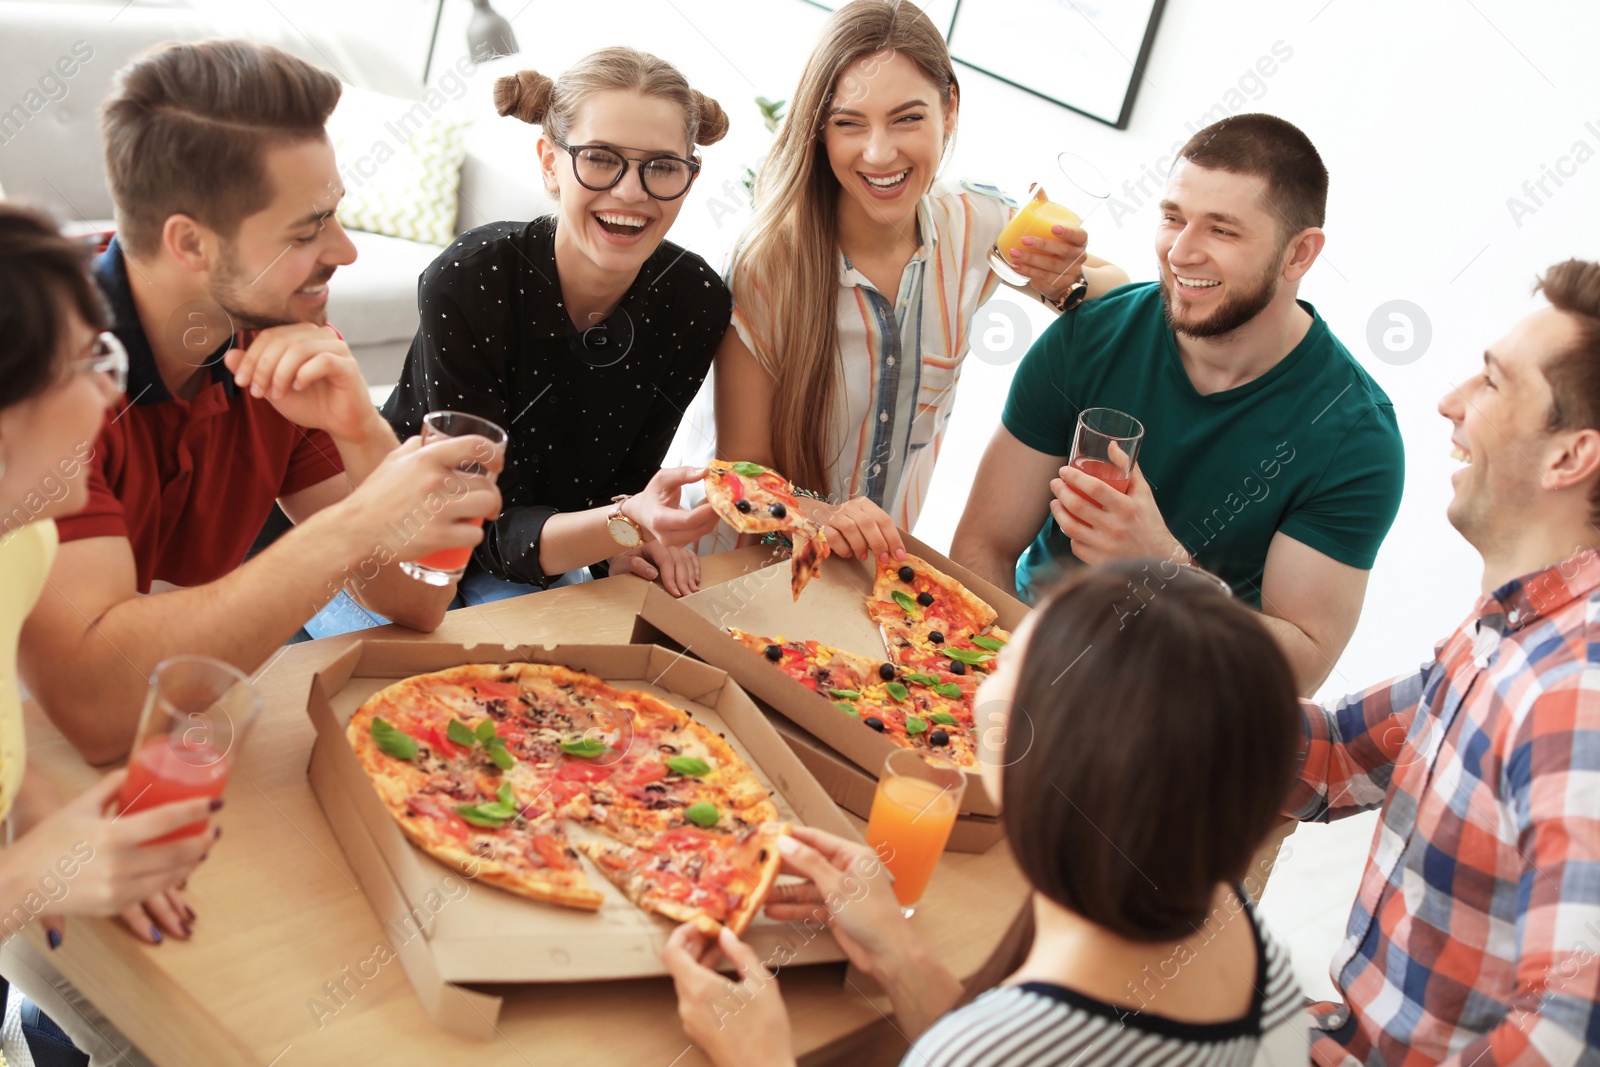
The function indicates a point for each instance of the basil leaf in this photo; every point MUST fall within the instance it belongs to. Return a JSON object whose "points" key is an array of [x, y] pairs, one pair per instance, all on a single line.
{"points": [[896, 690], [948, 690], [922, 679], [477, 817], [461, 733], [848, 709], [392, 741], [943, 718], [749, 470], [702, 814], [907, 604], [967, 656], [485, 731], [504, 793], [845, 694], [689, 766], [993, 644], [586, 747], [915, 726], [502, 759], [497, 810]]}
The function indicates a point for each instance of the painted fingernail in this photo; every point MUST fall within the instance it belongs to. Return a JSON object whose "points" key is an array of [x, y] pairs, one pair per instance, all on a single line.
{"points": [[1028, 241], [155, 935], [216, 833], [216, 804], [54, 937]]}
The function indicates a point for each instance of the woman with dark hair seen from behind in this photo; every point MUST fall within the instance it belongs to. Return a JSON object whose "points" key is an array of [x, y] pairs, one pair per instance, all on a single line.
{"points": [[58, 374], [1151, 728]]}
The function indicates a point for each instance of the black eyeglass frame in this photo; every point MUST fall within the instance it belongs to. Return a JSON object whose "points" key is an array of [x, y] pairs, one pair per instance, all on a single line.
{"points": [[574, 149]]}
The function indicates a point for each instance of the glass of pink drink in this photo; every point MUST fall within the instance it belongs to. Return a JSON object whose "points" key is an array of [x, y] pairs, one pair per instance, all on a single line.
{"points": [[1106, 445], [195, 716], [448, 564]]}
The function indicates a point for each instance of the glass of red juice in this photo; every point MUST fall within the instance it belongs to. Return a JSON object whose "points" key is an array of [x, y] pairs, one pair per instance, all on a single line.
{"points": [[195, 716], [448, 564], [1106, 445]]}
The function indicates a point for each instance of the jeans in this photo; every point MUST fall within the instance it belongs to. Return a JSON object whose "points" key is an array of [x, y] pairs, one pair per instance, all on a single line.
{"points": [[343, 615]]}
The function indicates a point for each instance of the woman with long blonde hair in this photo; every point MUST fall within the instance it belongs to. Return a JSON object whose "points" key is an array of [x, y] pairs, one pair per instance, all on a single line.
{"points": [[856, 284]]}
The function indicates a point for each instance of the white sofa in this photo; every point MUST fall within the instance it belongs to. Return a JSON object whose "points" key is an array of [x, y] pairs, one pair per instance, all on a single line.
{"points": [[51, 153]]}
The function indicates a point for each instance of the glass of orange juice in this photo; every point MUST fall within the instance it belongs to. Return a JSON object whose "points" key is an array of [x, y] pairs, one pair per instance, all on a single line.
{"points": [[195, 717], [913, 813], [1039, 214], [448, 564]]}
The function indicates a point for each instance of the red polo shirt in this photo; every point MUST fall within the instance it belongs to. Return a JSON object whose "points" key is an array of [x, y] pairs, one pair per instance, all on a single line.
{"points": [[189, 483]]}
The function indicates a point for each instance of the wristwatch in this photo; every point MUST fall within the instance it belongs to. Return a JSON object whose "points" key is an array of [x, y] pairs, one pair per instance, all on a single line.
{"points": [[623, 530], [1072, 297]]}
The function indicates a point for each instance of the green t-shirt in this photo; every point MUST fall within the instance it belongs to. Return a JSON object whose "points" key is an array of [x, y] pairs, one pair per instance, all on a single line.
{"points": [[1310, 448]]}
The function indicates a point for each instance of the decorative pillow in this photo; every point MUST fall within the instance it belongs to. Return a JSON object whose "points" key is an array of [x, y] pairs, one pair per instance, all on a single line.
{"points": [[401, 164]]}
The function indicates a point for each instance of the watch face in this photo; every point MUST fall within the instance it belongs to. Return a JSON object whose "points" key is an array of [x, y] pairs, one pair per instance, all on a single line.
{"points": [[622, 531]]}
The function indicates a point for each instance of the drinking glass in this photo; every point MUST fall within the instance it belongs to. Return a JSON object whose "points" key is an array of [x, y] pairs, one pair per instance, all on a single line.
{"points": [[448, 564], [1087, 188], [195, 717], [913, 812], [1098, 430]]}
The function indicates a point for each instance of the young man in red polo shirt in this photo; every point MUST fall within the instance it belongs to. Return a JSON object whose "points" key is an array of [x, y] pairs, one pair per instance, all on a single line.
{"points": [[240, 395]]}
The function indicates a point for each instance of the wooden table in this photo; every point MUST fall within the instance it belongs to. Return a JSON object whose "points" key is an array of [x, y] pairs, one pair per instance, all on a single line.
{"points": [[280, 915]]}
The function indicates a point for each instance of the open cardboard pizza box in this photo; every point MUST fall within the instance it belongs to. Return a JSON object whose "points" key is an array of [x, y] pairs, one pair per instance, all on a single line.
{"points": [[843, 754], [444, 927]]}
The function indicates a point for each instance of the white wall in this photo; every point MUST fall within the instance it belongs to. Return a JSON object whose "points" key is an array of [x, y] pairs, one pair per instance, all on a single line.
{"points": [[1429, 113]]}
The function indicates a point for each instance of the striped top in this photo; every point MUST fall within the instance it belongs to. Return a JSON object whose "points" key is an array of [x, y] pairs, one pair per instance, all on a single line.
{"points": [[1474, 935], [1038, 1024], [900, 359]]}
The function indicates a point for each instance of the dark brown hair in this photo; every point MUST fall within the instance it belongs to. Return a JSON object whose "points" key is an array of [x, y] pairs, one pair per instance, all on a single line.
{"points": [[1151, 745], [43, 276], [185, 126], [1574, 374], [1267, 147]]}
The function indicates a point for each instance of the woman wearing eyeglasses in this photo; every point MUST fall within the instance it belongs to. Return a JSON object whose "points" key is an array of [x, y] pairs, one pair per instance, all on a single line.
{"points": [[584, 333], [58, 374]]}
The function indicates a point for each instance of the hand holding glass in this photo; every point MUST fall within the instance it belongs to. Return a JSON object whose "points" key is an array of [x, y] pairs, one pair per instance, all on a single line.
{"points": [[1106, 445], [913, 813], [448, 564], [195, 717]]}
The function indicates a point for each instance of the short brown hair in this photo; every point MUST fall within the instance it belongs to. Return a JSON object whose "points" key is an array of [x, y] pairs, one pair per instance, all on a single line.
{"points": [[43, 275], [185, 125], [1276, 151], [1574, 374], [1151, 746]]}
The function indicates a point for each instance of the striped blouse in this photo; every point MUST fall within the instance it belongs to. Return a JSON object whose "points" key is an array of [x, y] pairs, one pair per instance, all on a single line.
{"points": [[1037, 1024], [900, 358]]}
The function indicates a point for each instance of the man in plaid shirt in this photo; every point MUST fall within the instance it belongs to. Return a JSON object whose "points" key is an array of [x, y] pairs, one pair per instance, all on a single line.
{"points": [[1475, 938]]}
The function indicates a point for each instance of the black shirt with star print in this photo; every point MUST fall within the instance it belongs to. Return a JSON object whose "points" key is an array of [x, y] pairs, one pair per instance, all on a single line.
{"points": [[590, 412]]}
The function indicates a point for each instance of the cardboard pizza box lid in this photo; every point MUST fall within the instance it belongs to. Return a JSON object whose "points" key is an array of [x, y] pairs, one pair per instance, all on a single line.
{"points": [[447, 928], [832, 610]]}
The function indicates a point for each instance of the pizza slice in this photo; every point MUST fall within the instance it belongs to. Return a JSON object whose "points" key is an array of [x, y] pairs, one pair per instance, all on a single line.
{"points": [[810, 549], [930, 621], [703, 877], [751, 498]]}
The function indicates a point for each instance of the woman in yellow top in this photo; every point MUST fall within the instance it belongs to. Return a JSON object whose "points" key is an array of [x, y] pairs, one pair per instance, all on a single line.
{"points": [[58, 373]]}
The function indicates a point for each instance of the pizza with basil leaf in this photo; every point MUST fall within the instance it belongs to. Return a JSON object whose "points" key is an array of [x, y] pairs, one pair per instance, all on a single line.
{"points": [[756, 500], [492, 769]]}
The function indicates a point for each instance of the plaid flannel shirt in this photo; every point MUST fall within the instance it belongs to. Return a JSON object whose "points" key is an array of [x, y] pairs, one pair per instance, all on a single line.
{"points": [[1475, 937]]}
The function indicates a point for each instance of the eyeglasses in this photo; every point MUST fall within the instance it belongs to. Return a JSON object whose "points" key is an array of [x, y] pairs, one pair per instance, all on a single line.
{"points": [[599, 167], [106, 359]]}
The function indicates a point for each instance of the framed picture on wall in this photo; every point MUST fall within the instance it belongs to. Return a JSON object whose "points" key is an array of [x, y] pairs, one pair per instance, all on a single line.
{"points": [[1088, 55]]}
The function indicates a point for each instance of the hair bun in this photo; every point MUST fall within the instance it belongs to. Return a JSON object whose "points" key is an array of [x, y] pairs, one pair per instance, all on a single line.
{"points": [[524, 95], [713, 120]]}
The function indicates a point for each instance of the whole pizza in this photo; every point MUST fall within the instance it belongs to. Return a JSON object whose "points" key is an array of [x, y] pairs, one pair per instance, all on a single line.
{"points": [[509, 771]]}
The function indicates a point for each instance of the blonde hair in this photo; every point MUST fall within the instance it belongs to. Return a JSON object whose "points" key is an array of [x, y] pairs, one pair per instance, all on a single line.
{"points": [[535, 98], [786, 264]]}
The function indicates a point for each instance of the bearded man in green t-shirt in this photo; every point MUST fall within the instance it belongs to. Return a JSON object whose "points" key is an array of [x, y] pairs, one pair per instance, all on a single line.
{"points": [[1269, 456]]}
